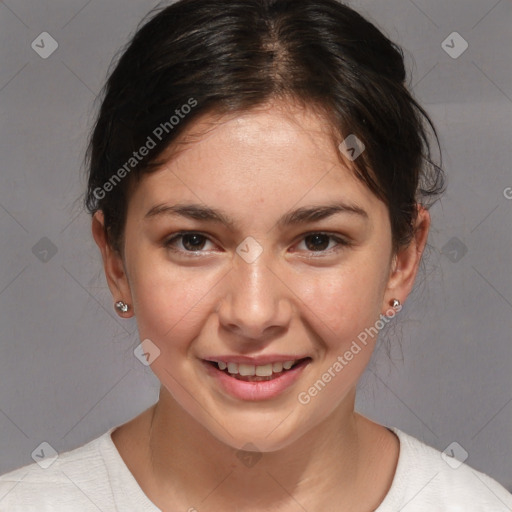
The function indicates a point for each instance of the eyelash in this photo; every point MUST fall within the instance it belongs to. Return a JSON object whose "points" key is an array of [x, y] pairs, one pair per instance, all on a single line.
{"points": [[168, 243]]}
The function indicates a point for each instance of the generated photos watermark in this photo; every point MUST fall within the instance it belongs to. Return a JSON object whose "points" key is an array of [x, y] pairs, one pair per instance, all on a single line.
{"points": [[137, 156], [304, 397]]}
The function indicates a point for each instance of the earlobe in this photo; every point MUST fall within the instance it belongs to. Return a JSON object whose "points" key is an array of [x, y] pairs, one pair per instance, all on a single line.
{"points": [[113, 266], [407, 260]]}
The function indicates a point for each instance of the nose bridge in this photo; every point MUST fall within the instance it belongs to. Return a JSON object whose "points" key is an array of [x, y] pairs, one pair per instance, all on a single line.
{"points": [[254, 283], [256, 299]]}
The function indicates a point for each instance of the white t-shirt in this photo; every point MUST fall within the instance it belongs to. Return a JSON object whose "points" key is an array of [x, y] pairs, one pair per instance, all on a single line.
{"points": [[95, 478]]}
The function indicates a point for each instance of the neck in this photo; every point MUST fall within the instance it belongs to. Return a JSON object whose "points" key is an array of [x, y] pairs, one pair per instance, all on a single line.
{"points": [[190, 466]]}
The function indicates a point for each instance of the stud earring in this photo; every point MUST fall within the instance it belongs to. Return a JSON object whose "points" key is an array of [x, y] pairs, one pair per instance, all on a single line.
{"points": [[122, 306], [395, 303]]}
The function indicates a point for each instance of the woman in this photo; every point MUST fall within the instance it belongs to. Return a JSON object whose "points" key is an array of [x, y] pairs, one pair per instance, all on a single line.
{"points": [[259, 181]]}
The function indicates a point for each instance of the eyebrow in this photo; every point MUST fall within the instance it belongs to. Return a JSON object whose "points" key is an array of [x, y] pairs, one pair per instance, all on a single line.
{"points": [[302, 215]]}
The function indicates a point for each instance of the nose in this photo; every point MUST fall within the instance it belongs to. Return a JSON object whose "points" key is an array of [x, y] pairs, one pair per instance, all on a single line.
{"points": [[256, 302]]}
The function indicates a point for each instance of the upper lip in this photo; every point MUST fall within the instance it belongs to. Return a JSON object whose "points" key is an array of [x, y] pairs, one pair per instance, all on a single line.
{"points": [[256, 361]]}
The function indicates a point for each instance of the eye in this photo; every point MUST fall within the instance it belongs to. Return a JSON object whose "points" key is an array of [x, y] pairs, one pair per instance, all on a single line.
{"points": [[320, 242], [191, 242]]}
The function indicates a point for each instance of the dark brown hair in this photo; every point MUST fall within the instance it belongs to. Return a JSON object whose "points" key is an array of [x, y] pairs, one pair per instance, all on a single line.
{"points": [[215, 56]]}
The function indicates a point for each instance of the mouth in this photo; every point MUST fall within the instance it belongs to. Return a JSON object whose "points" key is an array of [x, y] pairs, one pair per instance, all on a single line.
{"points": [[258, 373]]}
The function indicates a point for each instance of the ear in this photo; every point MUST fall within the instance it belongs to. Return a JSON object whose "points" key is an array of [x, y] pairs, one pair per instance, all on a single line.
{"points": [[113, 265], [406, 262]]}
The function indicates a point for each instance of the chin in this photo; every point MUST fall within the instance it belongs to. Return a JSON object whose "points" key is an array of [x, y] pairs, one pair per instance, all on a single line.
{"points": [[254, 433]]}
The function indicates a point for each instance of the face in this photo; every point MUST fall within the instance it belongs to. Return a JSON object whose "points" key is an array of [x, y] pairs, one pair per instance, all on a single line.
{"points": [[257, 277]]}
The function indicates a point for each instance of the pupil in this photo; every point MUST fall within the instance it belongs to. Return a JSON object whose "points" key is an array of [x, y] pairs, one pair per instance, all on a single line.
{"points": [[318, 237], [197, 239]]}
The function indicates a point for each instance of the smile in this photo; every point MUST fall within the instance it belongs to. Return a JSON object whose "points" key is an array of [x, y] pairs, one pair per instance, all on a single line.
{"points": [[255, 382], [270, 370]]}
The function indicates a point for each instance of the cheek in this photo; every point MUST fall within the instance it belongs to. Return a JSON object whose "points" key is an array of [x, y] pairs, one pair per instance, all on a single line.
{"points": [[341, 312], [169, 302], [342, 302]]}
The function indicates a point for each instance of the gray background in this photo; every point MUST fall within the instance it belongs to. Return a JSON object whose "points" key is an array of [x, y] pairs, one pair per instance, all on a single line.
{"points": [[67, 367]]}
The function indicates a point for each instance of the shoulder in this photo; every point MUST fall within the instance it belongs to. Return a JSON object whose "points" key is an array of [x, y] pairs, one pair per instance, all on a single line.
{"points": [[76, 477], [427, 479]]}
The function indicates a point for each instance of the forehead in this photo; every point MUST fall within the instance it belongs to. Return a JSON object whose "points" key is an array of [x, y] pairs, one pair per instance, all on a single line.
{"points": [[277, 155], [276, 125]]}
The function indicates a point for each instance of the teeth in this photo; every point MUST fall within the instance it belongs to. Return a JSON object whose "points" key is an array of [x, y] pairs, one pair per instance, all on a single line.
{"points": [[246, 369], [277, 367], [264, 371], [233, 368], [250, 369]]}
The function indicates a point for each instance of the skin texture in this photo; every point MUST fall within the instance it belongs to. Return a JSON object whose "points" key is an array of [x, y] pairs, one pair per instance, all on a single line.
{"points": [[292, 299]]}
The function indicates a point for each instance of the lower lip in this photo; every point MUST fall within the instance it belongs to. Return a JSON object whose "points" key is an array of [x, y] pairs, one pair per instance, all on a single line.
{"points": [[253, 391]]}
